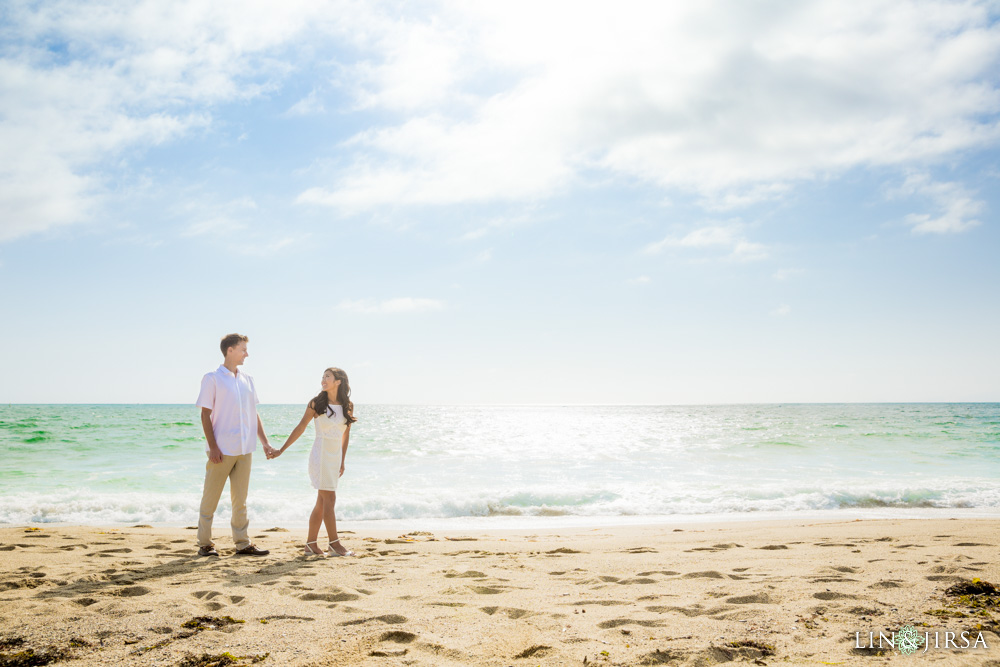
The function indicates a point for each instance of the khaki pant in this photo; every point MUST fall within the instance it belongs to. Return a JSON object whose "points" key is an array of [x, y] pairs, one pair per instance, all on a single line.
{"points": [[237, 470]]}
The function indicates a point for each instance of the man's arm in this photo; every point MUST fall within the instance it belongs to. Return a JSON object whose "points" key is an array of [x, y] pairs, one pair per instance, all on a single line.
{"points": [[263, 437], [214, 453]]}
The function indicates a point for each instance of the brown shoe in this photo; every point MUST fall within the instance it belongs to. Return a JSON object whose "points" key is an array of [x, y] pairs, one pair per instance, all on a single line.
{"points": [[252, 551], [207, 551]]}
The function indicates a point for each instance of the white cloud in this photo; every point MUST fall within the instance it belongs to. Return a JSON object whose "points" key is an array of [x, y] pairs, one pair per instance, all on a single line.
{"points": [[391, 306], [216, 225], [640, 280], [956, 208], [782, 310], [785, 274], [221, 220], [310, 105], [732, 101], [729, 239], [81, 83], [516, 102], [265, 247]]}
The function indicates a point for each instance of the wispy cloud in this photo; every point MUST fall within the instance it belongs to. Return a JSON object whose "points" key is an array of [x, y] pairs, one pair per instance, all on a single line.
{"points": [[219, 219], [956, 208], [392, 306], [729, 239], [640, 280], [310, 105], [785, 274], [782, 310]]}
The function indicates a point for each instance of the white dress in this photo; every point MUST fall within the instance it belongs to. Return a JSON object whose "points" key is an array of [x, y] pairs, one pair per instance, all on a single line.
{"points": [[327, 452]]}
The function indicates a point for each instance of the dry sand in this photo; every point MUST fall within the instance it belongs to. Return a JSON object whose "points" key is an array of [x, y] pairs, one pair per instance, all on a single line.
{"points": [[790, 592]]}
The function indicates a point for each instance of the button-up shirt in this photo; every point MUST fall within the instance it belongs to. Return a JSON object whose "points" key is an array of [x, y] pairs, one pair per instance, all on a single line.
{"points": [[233, 401]]}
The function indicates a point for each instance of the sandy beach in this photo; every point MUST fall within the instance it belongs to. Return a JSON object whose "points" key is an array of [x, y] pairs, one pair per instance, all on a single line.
{"points": [[794, 592]]}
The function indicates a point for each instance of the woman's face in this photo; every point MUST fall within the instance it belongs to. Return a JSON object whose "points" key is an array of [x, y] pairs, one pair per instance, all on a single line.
{"points": [[330, 383]]}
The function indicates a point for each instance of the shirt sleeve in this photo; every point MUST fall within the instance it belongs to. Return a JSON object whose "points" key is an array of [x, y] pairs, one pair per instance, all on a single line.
{"points": [[253, 388], [206, 398]]}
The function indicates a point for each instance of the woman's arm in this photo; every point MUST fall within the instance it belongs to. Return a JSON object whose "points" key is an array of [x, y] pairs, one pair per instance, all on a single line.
{"points": [[343, 447], [309, 415]]}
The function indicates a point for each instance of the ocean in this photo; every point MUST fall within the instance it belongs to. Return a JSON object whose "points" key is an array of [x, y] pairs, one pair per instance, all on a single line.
{"points": [[517, 466]]}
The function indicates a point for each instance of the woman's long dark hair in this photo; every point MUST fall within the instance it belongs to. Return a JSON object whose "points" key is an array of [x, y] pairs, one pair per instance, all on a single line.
{"points": [[321, 404]]}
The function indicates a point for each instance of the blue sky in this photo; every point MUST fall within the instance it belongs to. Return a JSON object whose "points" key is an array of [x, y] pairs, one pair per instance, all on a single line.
{"points": [[506, 203]]}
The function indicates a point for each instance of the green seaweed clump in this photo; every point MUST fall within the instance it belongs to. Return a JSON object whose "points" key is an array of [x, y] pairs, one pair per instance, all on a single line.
{"points": [[210, 622], [974, 587], [221, 660], [947, 613]]}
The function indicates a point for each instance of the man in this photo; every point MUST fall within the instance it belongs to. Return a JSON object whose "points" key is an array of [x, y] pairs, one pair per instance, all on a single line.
{"points": [[228, 402]]}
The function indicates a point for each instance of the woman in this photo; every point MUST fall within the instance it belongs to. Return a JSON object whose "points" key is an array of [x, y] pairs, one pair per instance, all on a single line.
{"points": [[333, 412]]}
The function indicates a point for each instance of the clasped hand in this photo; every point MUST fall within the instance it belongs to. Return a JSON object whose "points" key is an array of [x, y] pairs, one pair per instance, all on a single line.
{"points": [[270, 452]]}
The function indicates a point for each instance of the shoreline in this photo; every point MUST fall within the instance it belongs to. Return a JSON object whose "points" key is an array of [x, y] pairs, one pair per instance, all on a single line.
{"points": [[781, 590], [514, 523]]}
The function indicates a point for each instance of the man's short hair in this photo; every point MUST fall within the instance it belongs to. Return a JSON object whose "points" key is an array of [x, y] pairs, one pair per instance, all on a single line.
{"points": [[231, 340]]}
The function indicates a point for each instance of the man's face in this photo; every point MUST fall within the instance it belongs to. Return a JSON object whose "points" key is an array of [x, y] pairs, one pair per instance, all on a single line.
{"points": [[238, 353]]}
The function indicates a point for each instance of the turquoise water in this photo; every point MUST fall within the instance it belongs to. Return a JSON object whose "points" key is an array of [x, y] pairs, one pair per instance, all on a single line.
{"points": [[103, 464]]}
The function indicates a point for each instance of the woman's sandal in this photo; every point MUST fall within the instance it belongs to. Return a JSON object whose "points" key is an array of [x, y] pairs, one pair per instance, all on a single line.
{"points": [[310, 552], [331, 552]]}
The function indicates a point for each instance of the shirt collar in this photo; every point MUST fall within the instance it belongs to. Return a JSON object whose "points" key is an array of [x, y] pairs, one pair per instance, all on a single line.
{"points": [[223, 369]]}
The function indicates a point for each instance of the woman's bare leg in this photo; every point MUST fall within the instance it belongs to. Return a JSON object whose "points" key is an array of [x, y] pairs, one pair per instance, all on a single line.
{"points": [[330, 519], [315, 519]]}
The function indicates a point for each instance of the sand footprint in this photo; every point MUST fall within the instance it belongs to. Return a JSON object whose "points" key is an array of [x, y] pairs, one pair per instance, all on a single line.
{"points": [[511, 612], [536, 651], [394, 637], [206, 595], [487, 590], [833, 595], [336, 596], [451, 574], [390, 619], [618, 622], [755, 598], [636, 580]]}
